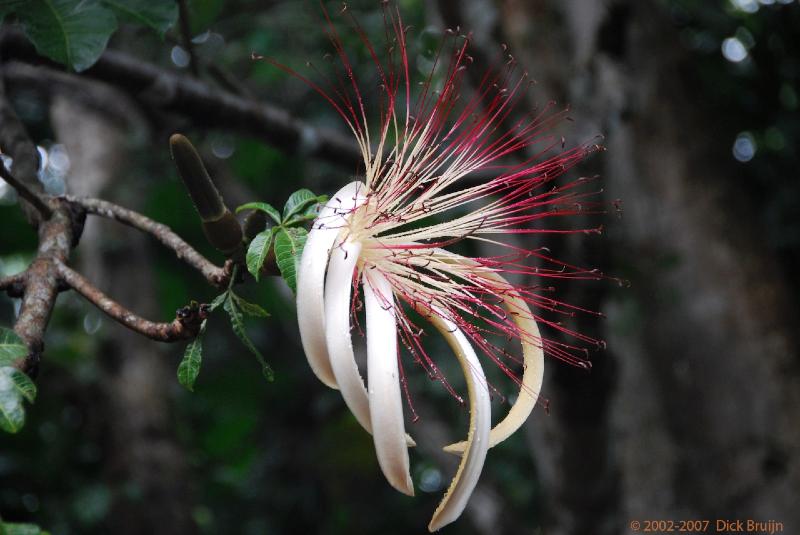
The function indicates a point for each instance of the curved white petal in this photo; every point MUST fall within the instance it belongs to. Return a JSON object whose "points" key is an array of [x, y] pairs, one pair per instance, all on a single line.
{"points": [[311, 278], [532, 374], [338, 285], [480, 423], [385, 398], [532, 361]]}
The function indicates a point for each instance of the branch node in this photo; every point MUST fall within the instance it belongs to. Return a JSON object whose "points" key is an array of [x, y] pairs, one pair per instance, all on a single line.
{"points": [[14, 285], [37, 201]]}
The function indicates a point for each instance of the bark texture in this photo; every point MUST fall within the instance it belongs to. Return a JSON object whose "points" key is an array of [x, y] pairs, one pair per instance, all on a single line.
{"points": [[694, 412]]}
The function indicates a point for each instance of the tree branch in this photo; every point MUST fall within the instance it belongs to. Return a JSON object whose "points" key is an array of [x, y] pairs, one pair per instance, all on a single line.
{"points": [[25, 192], [15, 142], [217, 276], [42, 285], [186, 36], [104, 98], [178, 329], [13, 285], [59, 220], [207, 106], [203, 104], [58, 233]]}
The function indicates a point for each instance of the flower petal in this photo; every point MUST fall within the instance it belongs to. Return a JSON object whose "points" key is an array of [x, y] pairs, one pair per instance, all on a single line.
{"points": [[480, 423], [385, 399], [338, 284], [532, 374], [532, 362], [311, 278]]}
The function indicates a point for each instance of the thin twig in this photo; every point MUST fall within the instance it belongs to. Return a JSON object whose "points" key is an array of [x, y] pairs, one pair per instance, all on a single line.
{"points": [[26, 193], [218, 276], [186, 36], [172, 331]]}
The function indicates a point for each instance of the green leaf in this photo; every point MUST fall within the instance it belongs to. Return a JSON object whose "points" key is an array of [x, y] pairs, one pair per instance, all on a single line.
{"points": [[297, 201], [251, 309], [71, 32], [289, 243], [218, 300], [237, 323], [20, 529], [159, 15], [264, 207], [12, 413], [312, 211], [15, 386], [296, 220], [12, 347], [309, 214], [257, 252], [23, 384], [189, 368]]}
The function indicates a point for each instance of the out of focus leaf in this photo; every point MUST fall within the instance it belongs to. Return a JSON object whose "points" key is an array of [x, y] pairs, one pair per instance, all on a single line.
{"points": [[71, 32], [20, 529], [12, 391], [159, 15], [289, 243]]}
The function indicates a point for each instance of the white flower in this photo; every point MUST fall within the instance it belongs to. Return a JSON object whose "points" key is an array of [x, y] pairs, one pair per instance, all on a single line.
{"points": [[386, 237], [341, 244]]}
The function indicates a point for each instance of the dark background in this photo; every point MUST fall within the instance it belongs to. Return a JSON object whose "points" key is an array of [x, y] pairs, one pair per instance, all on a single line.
{"points": [[692, 412]]}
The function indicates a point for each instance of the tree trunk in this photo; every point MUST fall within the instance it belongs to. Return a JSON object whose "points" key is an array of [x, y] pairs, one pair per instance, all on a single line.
{"points": [[693, 414], [146, 470]]}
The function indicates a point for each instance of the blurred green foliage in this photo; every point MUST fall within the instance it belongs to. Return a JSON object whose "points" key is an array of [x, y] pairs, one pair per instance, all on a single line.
{"points": [[75, 32]]}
